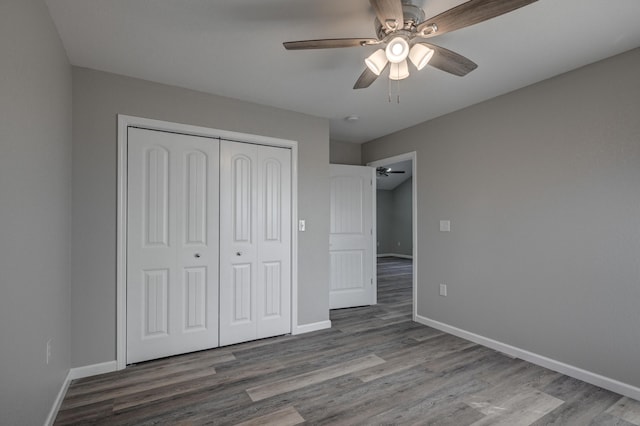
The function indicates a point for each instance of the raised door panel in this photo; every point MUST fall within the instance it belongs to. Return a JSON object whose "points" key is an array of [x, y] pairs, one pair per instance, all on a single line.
{"points": [[195, 298], [347, 215], [242, 294], [155, 308], [242, 191], [156, 197], [347, 270], [195, 198]]}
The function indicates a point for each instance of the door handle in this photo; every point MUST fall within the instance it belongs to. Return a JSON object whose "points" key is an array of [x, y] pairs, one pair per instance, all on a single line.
{"points": [[197, 255], [238, 253]]}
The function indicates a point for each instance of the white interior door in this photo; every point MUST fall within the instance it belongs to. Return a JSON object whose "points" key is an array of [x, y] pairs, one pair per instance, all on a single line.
{"points": [[172, 244], [352, 236], [255, 242]]}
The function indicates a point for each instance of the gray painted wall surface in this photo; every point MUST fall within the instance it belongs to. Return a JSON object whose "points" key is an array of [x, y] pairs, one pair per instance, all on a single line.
{"points": [[393, 209], [345, 153], [384, 202], [402, 203], [97, 98], [542, 187], [35, 212]]}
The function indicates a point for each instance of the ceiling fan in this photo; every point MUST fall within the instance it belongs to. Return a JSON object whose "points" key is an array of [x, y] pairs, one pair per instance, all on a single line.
{"points": [[402, 31], [385, 171]]}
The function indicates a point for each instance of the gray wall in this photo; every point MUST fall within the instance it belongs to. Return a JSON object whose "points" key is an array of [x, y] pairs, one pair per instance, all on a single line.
{"points": [[97, 98], [345, 153], [394, 215], [35, 211], [402, 232], [384, 203], [542, 187]]}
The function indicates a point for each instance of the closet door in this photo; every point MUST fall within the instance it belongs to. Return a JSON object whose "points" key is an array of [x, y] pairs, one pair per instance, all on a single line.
{"points": [[172, 244], [255, 242]]}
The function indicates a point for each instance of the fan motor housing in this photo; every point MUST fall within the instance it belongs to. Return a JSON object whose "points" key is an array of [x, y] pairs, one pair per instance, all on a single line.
{"points": [[412, 15]]}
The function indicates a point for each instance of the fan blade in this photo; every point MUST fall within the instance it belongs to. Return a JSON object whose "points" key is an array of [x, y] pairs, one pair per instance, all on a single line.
{"points": [[389, 11], [367, 78], [329, 43], [449, 61], [470, 13]]}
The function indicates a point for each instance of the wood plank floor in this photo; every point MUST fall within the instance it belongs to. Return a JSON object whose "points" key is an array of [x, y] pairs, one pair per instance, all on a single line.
{"points": [[375, 366]]}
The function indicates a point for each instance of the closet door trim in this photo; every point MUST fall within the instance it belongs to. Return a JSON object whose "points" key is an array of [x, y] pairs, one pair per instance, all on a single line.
{"points": [[126, 121]]}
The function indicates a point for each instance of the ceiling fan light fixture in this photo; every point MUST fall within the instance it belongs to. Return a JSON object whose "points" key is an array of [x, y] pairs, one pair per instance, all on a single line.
{"points": [[377, 61], [399, 71], [397, 50], [420, 55]]}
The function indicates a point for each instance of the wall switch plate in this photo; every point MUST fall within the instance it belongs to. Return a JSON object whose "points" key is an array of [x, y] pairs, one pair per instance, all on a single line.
{"points": [[302, 225], [445, 226], [443, 289]]}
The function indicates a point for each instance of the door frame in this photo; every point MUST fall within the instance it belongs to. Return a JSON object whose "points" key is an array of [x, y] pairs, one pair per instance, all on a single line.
{"points": [[126, 121], [413, 156]]}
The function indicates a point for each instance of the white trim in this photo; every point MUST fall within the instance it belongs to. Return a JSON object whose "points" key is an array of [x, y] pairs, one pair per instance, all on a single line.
{"points": [[125, 121], [294, 237], [543, 361], [413, 156], [73, 374], [121, 244], [402, 256], [374, 237], [92, 370], [53, 413], [314, 326]]}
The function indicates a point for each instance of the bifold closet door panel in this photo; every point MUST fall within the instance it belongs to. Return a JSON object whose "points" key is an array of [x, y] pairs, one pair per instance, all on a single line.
{"points": [[274, 242], [255, 242], [172, 244]]}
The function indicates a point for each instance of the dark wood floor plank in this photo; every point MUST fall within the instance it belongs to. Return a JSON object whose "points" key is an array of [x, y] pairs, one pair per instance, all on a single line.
{"points": [[270, 389]]}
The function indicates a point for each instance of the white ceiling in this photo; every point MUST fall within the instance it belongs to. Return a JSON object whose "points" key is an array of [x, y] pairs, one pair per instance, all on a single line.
{"points": [[394, 179], [234, 48]]}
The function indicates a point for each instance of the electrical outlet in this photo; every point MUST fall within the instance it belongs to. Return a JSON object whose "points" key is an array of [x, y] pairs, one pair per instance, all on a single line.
{"points": [[48, 350], [302, 225], [445, 226], [443, 289], [398, 243]]}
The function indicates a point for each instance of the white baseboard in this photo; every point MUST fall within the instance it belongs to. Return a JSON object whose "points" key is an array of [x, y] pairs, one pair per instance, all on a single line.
{"points": [[552, 364], [315, 326], [92, 370], [58, 401], [402, 256], [77, 373]]}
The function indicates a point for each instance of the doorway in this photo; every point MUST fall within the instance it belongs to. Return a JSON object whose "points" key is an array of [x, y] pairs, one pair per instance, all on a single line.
{"points": [[395, 250]]}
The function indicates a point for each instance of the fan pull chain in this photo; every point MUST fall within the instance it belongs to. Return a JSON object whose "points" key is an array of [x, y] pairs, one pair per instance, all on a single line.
{"points": [[397, 89]]}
